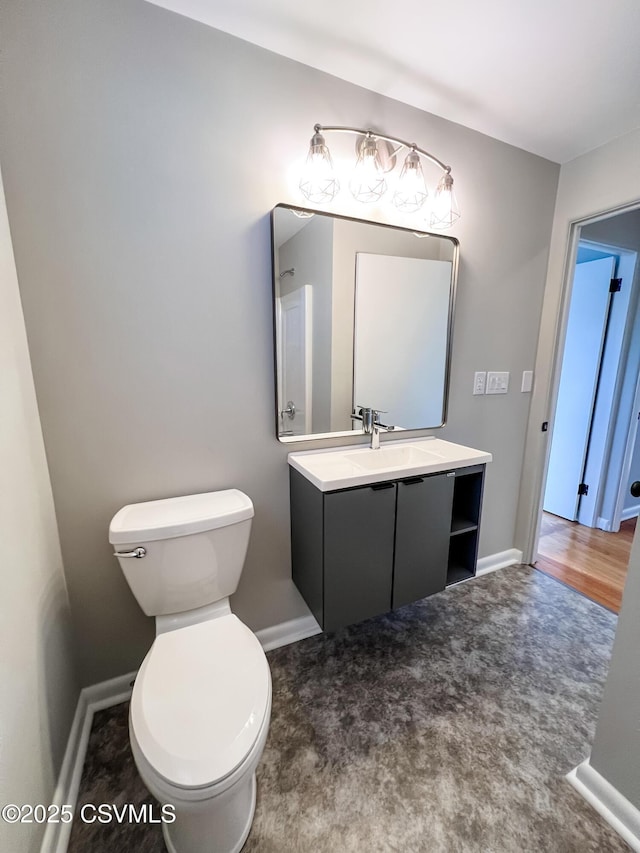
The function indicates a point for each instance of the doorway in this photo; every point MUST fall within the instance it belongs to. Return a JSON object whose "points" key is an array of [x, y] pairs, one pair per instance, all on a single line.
{"points": [[587, 516]]}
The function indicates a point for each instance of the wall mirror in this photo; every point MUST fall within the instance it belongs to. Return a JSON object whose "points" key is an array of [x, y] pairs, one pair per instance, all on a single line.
{"points": [[362, 316]]}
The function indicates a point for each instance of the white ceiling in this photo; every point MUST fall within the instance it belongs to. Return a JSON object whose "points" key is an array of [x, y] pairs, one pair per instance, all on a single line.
{"points": [[555, 77]]}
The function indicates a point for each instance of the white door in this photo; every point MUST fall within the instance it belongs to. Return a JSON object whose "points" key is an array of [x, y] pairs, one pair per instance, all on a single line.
{"points": [[294, 343], [583, 348]]}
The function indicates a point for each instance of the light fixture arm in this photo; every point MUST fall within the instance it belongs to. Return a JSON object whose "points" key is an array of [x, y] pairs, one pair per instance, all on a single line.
{"points": [[392, 139]]}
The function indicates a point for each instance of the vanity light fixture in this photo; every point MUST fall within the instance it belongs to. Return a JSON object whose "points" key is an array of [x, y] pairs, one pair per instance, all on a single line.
{"points": [[318, 184], [411, 190], [445, 206], [368, 183], [376, 157]]}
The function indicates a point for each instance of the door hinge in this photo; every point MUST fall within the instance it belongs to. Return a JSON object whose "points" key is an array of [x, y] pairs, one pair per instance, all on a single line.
{"points": [[616, 284], [583, 489]]}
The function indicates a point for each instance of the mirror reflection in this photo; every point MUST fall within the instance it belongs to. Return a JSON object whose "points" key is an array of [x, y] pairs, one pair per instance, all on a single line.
{"points": [[363, 316]]}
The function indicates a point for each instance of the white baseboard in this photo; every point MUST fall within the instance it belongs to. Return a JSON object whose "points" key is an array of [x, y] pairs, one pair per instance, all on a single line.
{"points": [[501, 560], [630, 512], [618, 812], [288, 632], [91, 699]]}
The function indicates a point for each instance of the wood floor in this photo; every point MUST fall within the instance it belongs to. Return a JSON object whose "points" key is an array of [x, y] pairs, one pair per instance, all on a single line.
{"points": [[592, 561]]}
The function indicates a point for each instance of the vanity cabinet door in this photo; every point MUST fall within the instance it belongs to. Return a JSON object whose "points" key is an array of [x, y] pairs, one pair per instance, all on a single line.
{"points": [[422, 537], [358, 553]]}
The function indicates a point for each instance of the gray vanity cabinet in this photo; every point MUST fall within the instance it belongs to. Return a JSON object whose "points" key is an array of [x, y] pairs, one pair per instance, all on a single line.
{"points": [[362, 551], [423, 522], [358, 552]]}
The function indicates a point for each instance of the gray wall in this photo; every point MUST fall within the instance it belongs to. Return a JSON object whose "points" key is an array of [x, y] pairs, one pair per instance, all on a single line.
{"points": [[37, 672], [622, 231], [600, 181], [616, 746], [142, 154]]}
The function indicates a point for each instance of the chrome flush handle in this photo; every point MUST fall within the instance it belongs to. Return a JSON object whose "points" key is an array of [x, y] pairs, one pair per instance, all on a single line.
{"points": [[290, 411], [138, 553]]}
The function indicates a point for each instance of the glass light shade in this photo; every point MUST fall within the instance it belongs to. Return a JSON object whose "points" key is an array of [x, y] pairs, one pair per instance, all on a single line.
{"points": [[444, 211], [368, 184], [318, 183], [411, 190]]}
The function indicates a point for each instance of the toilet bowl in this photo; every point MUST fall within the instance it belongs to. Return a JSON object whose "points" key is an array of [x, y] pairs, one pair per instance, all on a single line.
{"points": [[201, 702]]}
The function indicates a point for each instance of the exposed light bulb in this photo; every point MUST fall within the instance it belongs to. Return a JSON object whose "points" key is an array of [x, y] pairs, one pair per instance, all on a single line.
{"points": [[368, 184], [318, 183], [444, 211], [411, 190]]}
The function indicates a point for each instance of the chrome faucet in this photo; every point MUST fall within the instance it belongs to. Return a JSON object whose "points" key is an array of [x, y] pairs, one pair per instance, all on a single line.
{"points": [[371, 424], [375, 433]]}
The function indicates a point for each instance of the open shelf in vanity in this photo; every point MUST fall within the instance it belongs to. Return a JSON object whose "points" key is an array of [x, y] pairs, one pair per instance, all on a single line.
{"points": [[465, 523]]}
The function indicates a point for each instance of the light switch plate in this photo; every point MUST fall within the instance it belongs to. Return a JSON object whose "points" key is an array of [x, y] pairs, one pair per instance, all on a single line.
{"points": [[497, 382], [479, 381], [527, 381]]}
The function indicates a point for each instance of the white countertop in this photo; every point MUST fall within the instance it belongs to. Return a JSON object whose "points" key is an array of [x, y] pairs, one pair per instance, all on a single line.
{"points": [[343, 467]]}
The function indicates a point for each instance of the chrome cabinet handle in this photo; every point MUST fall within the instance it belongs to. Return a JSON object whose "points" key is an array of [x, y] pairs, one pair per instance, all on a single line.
{"points": [[138, 553]]}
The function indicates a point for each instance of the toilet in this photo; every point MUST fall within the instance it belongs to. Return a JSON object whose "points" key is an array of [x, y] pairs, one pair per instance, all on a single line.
{"points": [[201, 702]]}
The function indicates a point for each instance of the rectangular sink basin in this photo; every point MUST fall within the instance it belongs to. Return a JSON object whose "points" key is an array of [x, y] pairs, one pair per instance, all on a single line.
{"points": [[345, 467], [393, 457]]}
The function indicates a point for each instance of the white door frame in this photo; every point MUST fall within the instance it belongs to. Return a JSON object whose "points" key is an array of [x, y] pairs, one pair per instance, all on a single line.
{"points": [[532, 533]]}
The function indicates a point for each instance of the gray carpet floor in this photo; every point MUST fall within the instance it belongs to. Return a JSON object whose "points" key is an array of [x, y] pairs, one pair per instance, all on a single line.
{"points": [[446, 726]]}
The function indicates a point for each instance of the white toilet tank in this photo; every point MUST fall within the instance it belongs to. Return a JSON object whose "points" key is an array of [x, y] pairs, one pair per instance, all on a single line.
{"points": [[191, 548]]}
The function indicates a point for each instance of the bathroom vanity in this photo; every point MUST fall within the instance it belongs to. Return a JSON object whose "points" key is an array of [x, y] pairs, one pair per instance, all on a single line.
{"points": [[372, 530]]}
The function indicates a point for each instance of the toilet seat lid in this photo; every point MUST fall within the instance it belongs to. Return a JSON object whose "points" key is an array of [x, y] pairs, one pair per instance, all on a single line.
{"points": [[200, 700]]}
